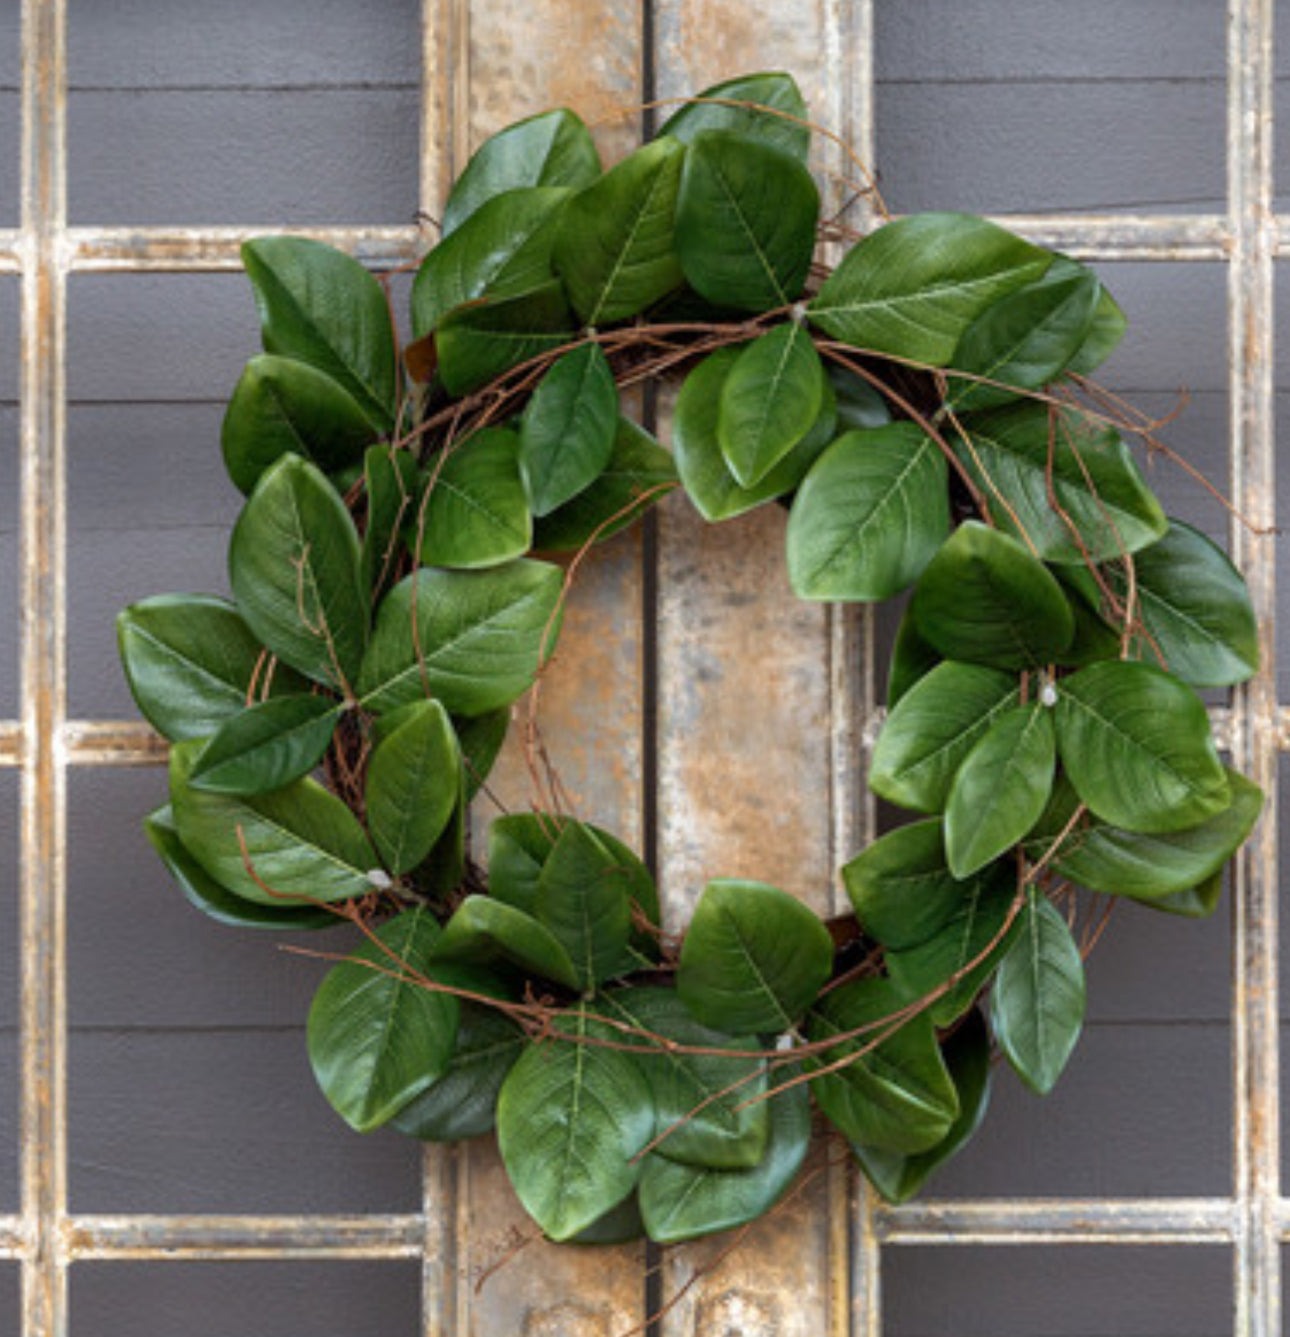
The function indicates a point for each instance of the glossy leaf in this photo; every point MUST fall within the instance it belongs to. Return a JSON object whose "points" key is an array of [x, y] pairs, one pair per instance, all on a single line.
{"points": [[481, 738], [1109, 325], [570, 1118], [1037, 1004], [932, 728], [860, 406], [753, 958], [869, 516], [898, 1095], [985, 599], [393, 484], [551, 149], [778, 92], [745, 222], [615, 248], [473, 642], [294, 567], [376, 1037], [911, 659], [190, 662], [1137, 747], [568, 430], [441, 873], [267, 746], [484, 931], [280, 406], [1193, 903], [914, 286], [476, 344], [320, 306], [769, 401], [475, 513], [1001, 788]]}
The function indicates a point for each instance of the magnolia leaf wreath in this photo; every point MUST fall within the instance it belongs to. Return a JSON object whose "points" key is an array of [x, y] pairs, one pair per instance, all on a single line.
{"points": [[924, 413]]}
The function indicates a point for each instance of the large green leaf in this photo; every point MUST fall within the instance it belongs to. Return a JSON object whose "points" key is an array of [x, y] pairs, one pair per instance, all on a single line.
{"points": [[615, 247], [860, 405], [205, 894], [571, 1117], [769, 401], [393, 484], [477, 343], [551, 149], [894, 1092], [569, 427], [475, 513], [268, 745], [320, 306], [985, 599], [1001, 788], [1016, 454], [190, 662], [1193, 903], [911, 659], [753, 959], [681, 1202], [932, 728], [700, 1096], [1195, 609], [504, 249], [471, 638], [1137, 747], [967, 1056], [376, 1037], [481, 738], [1037, 1003], [413, 784], [705, 475], [1109, 325], [912, 287], [293, 563], [745, 222], [280, 406], [869, 516], [717, 108], [484, 931], [296, 844]]}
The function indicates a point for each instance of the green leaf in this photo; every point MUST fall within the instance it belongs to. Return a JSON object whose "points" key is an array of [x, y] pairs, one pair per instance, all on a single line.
{"points": [[770, 399], [461, 1103], [869, 516], [1037, 1004], [1109, 325], [914, 286], [504, 249], [413, 784], [1137, 747], [753, 959], [280, 407], [1024, 339], [680, 1202], [481, 738], [697, 1095], [895, 1092], [570, 1118], [714, 490], [639, 473], [773, 90], [484, 931], [1194, 903], [932, 728], [376, 1037], [619, 1225], [473, 640], [569, 427], [190, 662], [911, 659], [267, 746], [1001, 788], [440, 875], [475, 513], [966, 949], [393, 484], [302, 843], [1195, 608], [478, 343], [745, 222], [205, 894], [1094, 638], [293, 563], [615, 248], [967, 1056], [320, 306], [1013, 453], [552, 149], [860, 406], [985, 599]]}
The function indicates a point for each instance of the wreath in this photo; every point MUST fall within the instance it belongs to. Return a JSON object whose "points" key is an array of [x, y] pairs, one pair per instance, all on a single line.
{"points": [[923, 411]]}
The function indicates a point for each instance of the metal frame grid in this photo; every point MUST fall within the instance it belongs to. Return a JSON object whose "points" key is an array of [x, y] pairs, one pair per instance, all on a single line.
{"points": [[44, 251]]}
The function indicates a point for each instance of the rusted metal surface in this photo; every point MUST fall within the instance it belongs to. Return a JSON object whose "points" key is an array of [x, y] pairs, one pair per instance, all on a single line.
{"points": [[232, 1238]]}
